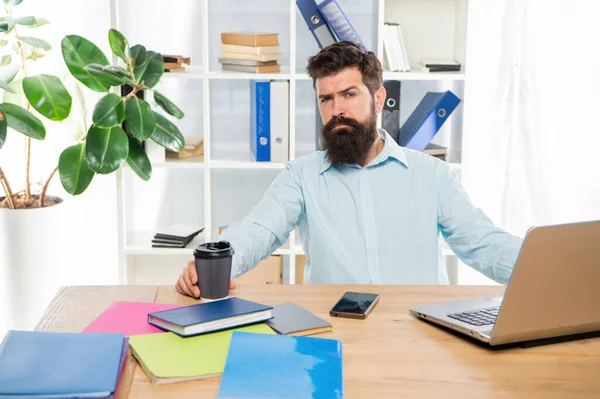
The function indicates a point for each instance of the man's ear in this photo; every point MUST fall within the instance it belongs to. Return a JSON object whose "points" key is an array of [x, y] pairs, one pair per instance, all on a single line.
{"points": [[380, 96]]}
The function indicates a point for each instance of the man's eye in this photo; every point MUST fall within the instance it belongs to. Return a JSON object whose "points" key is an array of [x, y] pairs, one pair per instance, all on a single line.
{"points": [[324, 99], [350, 94]]}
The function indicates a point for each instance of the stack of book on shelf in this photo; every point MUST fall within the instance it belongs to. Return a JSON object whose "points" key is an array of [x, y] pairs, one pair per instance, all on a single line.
{"points": [[175, 236], [394, 49], [434, 65], [174, 62], [253, 52], [194, 146], [437, 151]]}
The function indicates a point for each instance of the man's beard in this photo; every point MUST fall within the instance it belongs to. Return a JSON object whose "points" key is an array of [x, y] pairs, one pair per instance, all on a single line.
{"points": [[349, 144]]}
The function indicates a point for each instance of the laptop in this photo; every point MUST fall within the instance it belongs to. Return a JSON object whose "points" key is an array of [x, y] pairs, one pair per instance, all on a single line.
{"points": [[553, 292]]}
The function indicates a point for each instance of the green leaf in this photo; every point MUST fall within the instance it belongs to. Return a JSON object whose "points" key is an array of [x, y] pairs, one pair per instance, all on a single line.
{"points": [[140, 120], [3, 43], [103, 75], [109, 111], [79, 52], [7, 74], [118, 44], [12, 3], [6, 59], [138, 160], [35, 42], [153, 70], [117, 70], [106, 149], [23, 121], [167, 134], [39, 22], [140, 58], [8, 25], [28, 21], [74, 171], [4, 128], [14, 94], [6, 87], [48, 96], [167, 105]]}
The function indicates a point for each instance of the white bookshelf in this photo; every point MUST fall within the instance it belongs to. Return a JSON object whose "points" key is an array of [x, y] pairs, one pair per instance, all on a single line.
{"points": [[224, 184]]}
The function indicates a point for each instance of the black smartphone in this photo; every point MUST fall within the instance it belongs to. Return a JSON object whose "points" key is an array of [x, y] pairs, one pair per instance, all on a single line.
{"points": [[355, 305]]}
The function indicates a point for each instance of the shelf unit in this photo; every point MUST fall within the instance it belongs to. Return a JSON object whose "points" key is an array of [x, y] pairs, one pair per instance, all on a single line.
{"points": [[216, 107]]}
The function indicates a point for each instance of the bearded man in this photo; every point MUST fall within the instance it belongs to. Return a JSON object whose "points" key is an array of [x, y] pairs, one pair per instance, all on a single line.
{"points": [[368, 211]]}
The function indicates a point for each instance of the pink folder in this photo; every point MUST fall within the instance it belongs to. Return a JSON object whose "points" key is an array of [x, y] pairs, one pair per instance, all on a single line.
{"points": [[129, 318]]}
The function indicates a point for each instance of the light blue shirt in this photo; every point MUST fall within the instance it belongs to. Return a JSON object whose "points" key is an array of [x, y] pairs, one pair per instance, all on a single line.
{"points": [[381, 224]]}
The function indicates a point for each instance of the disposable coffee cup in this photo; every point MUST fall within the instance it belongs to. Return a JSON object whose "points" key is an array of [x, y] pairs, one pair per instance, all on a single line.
{"points": [[213, 267]]}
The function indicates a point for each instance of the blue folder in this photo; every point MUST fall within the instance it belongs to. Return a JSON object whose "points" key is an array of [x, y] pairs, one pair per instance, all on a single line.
{"points": [[316, 23], [338, 22], [283, 367], [425, 121], [66, 365], [260, 120]]}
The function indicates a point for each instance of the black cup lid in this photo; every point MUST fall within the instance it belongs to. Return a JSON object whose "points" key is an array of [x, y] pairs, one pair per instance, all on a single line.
{"points": [[212, 250]]}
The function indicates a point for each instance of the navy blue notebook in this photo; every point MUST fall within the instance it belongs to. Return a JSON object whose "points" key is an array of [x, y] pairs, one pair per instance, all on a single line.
{"points": [[211, 316], [283, 367], [65, 365]]}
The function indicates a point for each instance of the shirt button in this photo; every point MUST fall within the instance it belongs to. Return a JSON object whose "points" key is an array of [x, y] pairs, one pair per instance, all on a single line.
{"points": [[369, 233], [373, 267], [366, 199]]}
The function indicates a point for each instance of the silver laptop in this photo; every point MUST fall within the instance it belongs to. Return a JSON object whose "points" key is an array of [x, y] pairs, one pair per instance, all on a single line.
{"points": [[554, 291]]}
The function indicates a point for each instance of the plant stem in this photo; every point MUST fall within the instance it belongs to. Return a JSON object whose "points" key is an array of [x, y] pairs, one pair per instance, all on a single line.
{"points": [[45, 188], [136, 88], [27, 168], [7, 190], [27, 140]]}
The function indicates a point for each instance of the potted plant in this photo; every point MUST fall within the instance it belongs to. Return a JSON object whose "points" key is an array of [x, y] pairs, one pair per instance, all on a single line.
{"points": [[120, 127]]}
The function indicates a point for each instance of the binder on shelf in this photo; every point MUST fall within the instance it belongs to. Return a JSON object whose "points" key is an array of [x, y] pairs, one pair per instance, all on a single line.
{"points": [[316, 23], [391, 108], [260, 120], [280, 120], [425, 121], [338, 22]]}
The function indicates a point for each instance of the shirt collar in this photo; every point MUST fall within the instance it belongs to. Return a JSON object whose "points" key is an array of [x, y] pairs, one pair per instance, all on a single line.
{"points": [[391, 149]]}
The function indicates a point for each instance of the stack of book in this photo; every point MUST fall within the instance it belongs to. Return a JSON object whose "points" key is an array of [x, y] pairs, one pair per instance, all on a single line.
{"points": [[253, 52], [394, 48], [437, 151], [194, 146], [176, 236], [174, 62], [435, 65]]}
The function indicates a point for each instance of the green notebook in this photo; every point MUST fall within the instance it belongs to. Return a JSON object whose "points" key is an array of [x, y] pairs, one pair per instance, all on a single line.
{"points": [[168, 358]]}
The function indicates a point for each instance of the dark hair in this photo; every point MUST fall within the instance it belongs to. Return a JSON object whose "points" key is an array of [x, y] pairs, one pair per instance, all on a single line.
{"points": [[346, 54]]}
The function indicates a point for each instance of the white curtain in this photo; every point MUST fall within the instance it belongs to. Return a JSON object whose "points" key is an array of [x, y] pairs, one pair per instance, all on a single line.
{"points": [[532, 125]]}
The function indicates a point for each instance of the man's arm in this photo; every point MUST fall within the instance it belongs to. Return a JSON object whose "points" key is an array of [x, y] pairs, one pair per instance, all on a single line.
{"points": [[268, 225], [470, 233]]}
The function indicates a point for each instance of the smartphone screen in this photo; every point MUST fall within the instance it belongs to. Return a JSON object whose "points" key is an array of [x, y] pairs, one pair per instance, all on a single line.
{"points": [[354, 302]]}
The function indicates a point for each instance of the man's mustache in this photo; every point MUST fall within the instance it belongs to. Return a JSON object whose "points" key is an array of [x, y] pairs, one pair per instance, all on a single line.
{"points": [[340, 120]]}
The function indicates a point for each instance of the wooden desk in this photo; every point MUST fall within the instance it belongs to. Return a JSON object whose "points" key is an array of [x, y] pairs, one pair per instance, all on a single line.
{"points": [[389, 355]]}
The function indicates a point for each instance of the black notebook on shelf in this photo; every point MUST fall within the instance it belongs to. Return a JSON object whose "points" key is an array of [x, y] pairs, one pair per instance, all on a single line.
{"points": [[175, 236]]}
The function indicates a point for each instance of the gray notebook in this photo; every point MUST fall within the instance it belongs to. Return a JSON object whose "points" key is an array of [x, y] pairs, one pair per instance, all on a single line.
{"points": [[291, 319]]}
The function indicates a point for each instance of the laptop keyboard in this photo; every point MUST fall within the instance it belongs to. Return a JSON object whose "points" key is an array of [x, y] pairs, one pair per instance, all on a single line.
{"points": [[480, 317]]}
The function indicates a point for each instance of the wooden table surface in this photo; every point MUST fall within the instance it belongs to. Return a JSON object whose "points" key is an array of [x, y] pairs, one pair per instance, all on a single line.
{"points": [[389, 355]]}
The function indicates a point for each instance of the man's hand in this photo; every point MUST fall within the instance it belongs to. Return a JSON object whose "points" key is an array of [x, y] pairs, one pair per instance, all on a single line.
{"points": [[187, 283]]}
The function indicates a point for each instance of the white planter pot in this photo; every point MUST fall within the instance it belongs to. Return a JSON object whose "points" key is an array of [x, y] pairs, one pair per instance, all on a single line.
{"points": [[32, 246]]}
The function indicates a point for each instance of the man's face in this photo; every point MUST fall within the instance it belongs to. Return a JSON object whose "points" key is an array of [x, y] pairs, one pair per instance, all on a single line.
{"points": [[349, 115]]}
